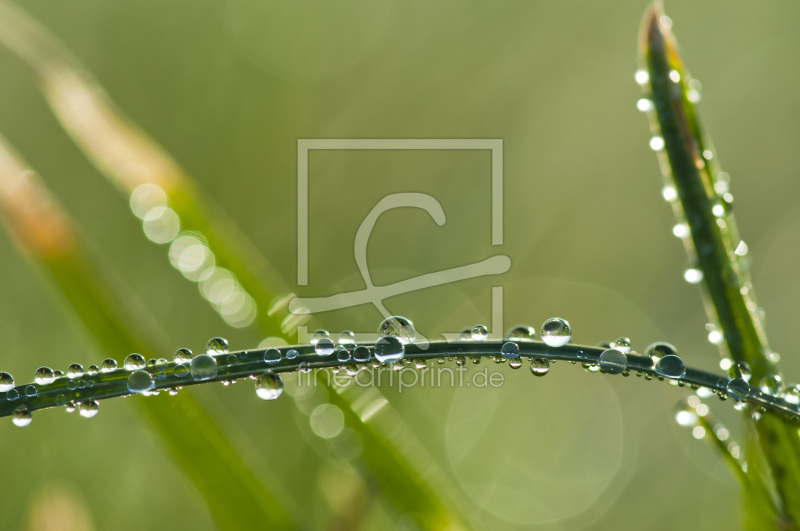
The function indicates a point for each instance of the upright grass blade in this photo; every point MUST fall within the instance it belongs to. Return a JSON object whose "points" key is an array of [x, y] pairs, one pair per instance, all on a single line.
{"points": [[235, 497], [141, 169], [704, 204]]}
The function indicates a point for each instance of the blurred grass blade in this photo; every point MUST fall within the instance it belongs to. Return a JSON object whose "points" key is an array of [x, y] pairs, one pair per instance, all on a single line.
{"points": [[235, 497], [142, 169], [704, 204]]}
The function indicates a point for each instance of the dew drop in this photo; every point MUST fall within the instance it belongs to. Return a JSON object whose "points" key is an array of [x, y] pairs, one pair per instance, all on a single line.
{"points": [[741, 370], [75, 370], [183, 355], [44, 376], [22, 416], [556, 332], [644, 104], [108, 365], [140, 381], [203, 367], [272, 355], [399, 327], [656, 351], [420, 364], [460, 360], [516, 363], [479, 333], [686, 417], [347, 338], [89, 408], [268, 385], [693, 275], [361, 354], [389, 348], [623, 344], [613, 361], [738, 388], [180, 371], [465, 334], [669, 193], [91, 370], [641, 77], [133, 362], [670, 366], [521, 332], [291, 354], [771, 384], [681, 230], [324, 347], [540, 366], [217, 345], [316, 335], [656, 143], [509, 350], [6, 382], [31, 391], [342, 354]]}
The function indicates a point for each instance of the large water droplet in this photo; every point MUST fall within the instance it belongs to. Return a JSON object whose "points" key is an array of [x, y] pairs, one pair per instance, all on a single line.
{"points": [[623, 344], [108, 365], [613, 361], [771, 384], [134, 362], [140, 381], [272, 355], [399, 327], [75, 370], [6, 382], [203, 367], [361, 354], [509, 350], [324, 347], [347, 338], [389, 348], [670, 366], [656, 351], [217, 345], [479, 333], [44, 376], [22, 416], [268, 385], [738, 388], [316, 335], [89, 408], [540, 366], [556, 332], [741, 370], [183, 355], [521, 332]]}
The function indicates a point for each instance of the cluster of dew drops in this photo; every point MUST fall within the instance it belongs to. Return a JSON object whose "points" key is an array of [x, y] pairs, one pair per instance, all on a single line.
{"points": [[393, 334]]}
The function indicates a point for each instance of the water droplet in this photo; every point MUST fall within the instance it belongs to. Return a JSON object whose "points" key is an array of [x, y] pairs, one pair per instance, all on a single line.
{"points": [[460, 360], [772, 384], [347, 338], [140, 381], [180, 371], [686, 417], [675, 76], [399, 327], [324, 346], [133, 362], [509, 350], [268, 385], [556, 332], [183, 355], [641, 77], [738, 388], [272, 355], [693, 275], [291, 354], [741, 370], [22, 416], [479, 333], [72, 385], [389, 348], [31, 391], [623, 344], [6, 382], [669, 193], [659, 349], [108, 365], [521, 332], [342, 354], [540, 366], [420, 364], [217, 345], [516, 363], [203, 367], [644, 104], [44, 376], [75, 370], [316, 335], [681, 230], [361, 354], [656, 143], [613, 361], [465, 334], [12, 394], [670, 366], [89, 408]]}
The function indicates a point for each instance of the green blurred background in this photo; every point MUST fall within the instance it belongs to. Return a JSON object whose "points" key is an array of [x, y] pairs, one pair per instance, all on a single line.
{"points": [[228, 87]]}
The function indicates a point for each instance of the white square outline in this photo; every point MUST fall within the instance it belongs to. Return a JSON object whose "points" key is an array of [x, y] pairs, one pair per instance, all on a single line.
{"points": [[304, 145]]}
